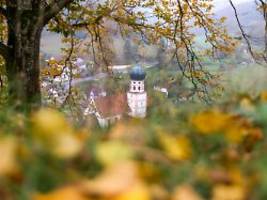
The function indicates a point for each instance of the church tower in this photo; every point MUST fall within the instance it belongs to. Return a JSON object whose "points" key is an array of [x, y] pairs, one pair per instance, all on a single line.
{"points": [[137, 96]]}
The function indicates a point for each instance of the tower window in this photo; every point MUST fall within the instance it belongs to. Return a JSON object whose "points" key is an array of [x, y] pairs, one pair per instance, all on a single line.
{"points": [[133, 87], [139, 88]]}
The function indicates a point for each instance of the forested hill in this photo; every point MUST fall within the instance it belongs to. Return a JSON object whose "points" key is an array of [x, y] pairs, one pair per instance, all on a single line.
{"points": [[251, 20]]}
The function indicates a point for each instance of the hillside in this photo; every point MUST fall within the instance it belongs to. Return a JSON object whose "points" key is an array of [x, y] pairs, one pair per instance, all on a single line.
{"points": [[251, 20], [51, 44]]}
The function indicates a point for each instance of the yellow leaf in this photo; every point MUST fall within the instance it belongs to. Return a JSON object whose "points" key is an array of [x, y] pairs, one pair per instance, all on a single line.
{"points": [[228, 192], [137, 192], [8, 163], [236, 176], [51, 128], [210, 122], [263, 96], [132, 132], [185, 192], [223, 19], [55, 71], [235, 133], [49, 122], [52, 61], [158, 192], [113, 151], [148, 171], [246, 105], [67, 193], [176, 148], [115, 180], [67, 146]]}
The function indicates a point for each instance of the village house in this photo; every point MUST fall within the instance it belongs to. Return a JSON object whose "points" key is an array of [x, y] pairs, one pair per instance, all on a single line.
{"points": [[109, 109]]}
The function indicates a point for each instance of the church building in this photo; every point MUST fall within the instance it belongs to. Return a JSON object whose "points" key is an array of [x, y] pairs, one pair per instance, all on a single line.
{"points": [[109, 109]]}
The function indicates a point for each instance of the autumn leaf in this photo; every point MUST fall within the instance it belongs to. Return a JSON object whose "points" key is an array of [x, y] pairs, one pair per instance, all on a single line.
{"points": [[228, 192], [67, 146], [51, 128], [48, 123], [185, 192], [113, 151], [66, 193], [247, 105], [263, 96], [210, 122], [114, 180], [176, 147], [235, 133], [138, 191], [8, 161]]}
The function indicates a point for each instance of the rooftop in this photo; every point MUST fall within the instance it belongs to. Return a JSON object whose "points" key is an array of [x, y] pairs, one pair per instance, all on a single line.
{"points": [[110, 106]]}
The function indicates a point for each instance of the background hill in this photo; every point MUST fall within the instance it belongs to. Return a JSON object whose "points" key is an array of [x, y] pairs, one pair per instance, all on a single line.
{"points": [[251, 20]]}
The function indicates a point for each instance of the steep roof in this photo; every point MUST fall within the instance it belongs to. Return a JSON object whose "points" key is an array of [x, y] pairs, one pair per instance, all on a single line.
{"points": [[110, 106]]}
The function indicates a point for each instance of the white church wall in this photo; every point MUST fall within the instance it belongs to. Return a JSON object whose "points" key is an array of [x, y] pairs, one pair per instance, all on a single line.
{"points": [[137, 103], [105, 122]]}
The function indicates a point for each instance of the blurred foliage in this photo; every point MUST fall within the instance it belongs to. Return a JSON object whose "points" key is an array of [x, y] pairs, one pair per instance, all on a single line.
{"points": [[186, 152]]}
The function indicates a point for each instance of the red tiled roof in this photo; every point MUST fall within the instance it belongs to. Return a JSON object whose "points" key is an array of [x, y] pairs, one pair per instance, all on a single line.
{"points": [[111, 105]]}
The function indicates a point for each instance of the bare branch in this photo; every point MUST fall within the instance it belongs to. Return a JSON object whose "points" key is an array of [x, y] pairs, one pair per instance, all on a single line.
{"points": [[244, 35]]}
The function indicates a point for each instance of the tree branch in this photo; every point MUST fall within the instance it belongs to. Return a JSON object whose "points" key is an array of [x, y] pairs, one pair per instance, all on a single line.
{"points": [[243, 33], [54, 8]]}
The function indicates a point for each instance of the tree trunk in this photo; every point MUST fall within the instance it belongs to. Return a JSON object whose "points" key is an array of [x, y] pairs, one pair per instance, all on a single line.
{"points": [[23, 63], [25, 20]]}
